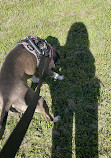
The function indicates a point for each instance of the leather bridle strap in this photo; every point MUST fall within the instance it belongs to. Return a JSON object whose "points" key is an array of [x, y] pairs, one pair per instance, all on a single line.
{"points": [[11, 147]]}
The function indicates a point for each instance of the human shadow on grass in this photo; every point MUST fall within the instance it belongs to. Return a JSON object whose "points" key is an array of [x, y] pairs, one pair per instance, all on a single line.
{"points": [[75, 98]]}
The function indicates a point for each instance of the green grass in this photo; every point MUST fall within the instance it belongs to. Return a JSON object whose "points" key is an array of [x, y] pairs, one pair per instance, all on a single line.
{"points": [[80, 31]]}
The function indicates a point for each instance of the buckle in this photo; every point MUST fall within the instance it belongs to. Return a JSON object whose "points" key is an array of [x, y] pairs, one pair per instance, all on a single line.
{"points": [[30, 40]]}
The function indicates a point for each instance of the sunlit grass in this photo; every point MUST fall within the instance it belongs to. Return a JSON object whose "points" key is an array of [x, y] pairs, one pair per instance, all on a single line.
{"points": [[46, 18]]}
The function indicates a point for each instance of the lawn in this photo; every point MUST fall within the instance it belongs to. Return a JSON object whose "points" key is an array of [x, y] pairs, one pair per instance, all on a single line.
{"points": [[80, 30]]}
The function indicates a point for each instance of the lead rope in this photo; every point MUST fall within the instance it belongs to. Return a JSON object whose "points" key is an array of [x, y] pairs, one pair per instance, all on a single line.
{"points": [[11, 147]]}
